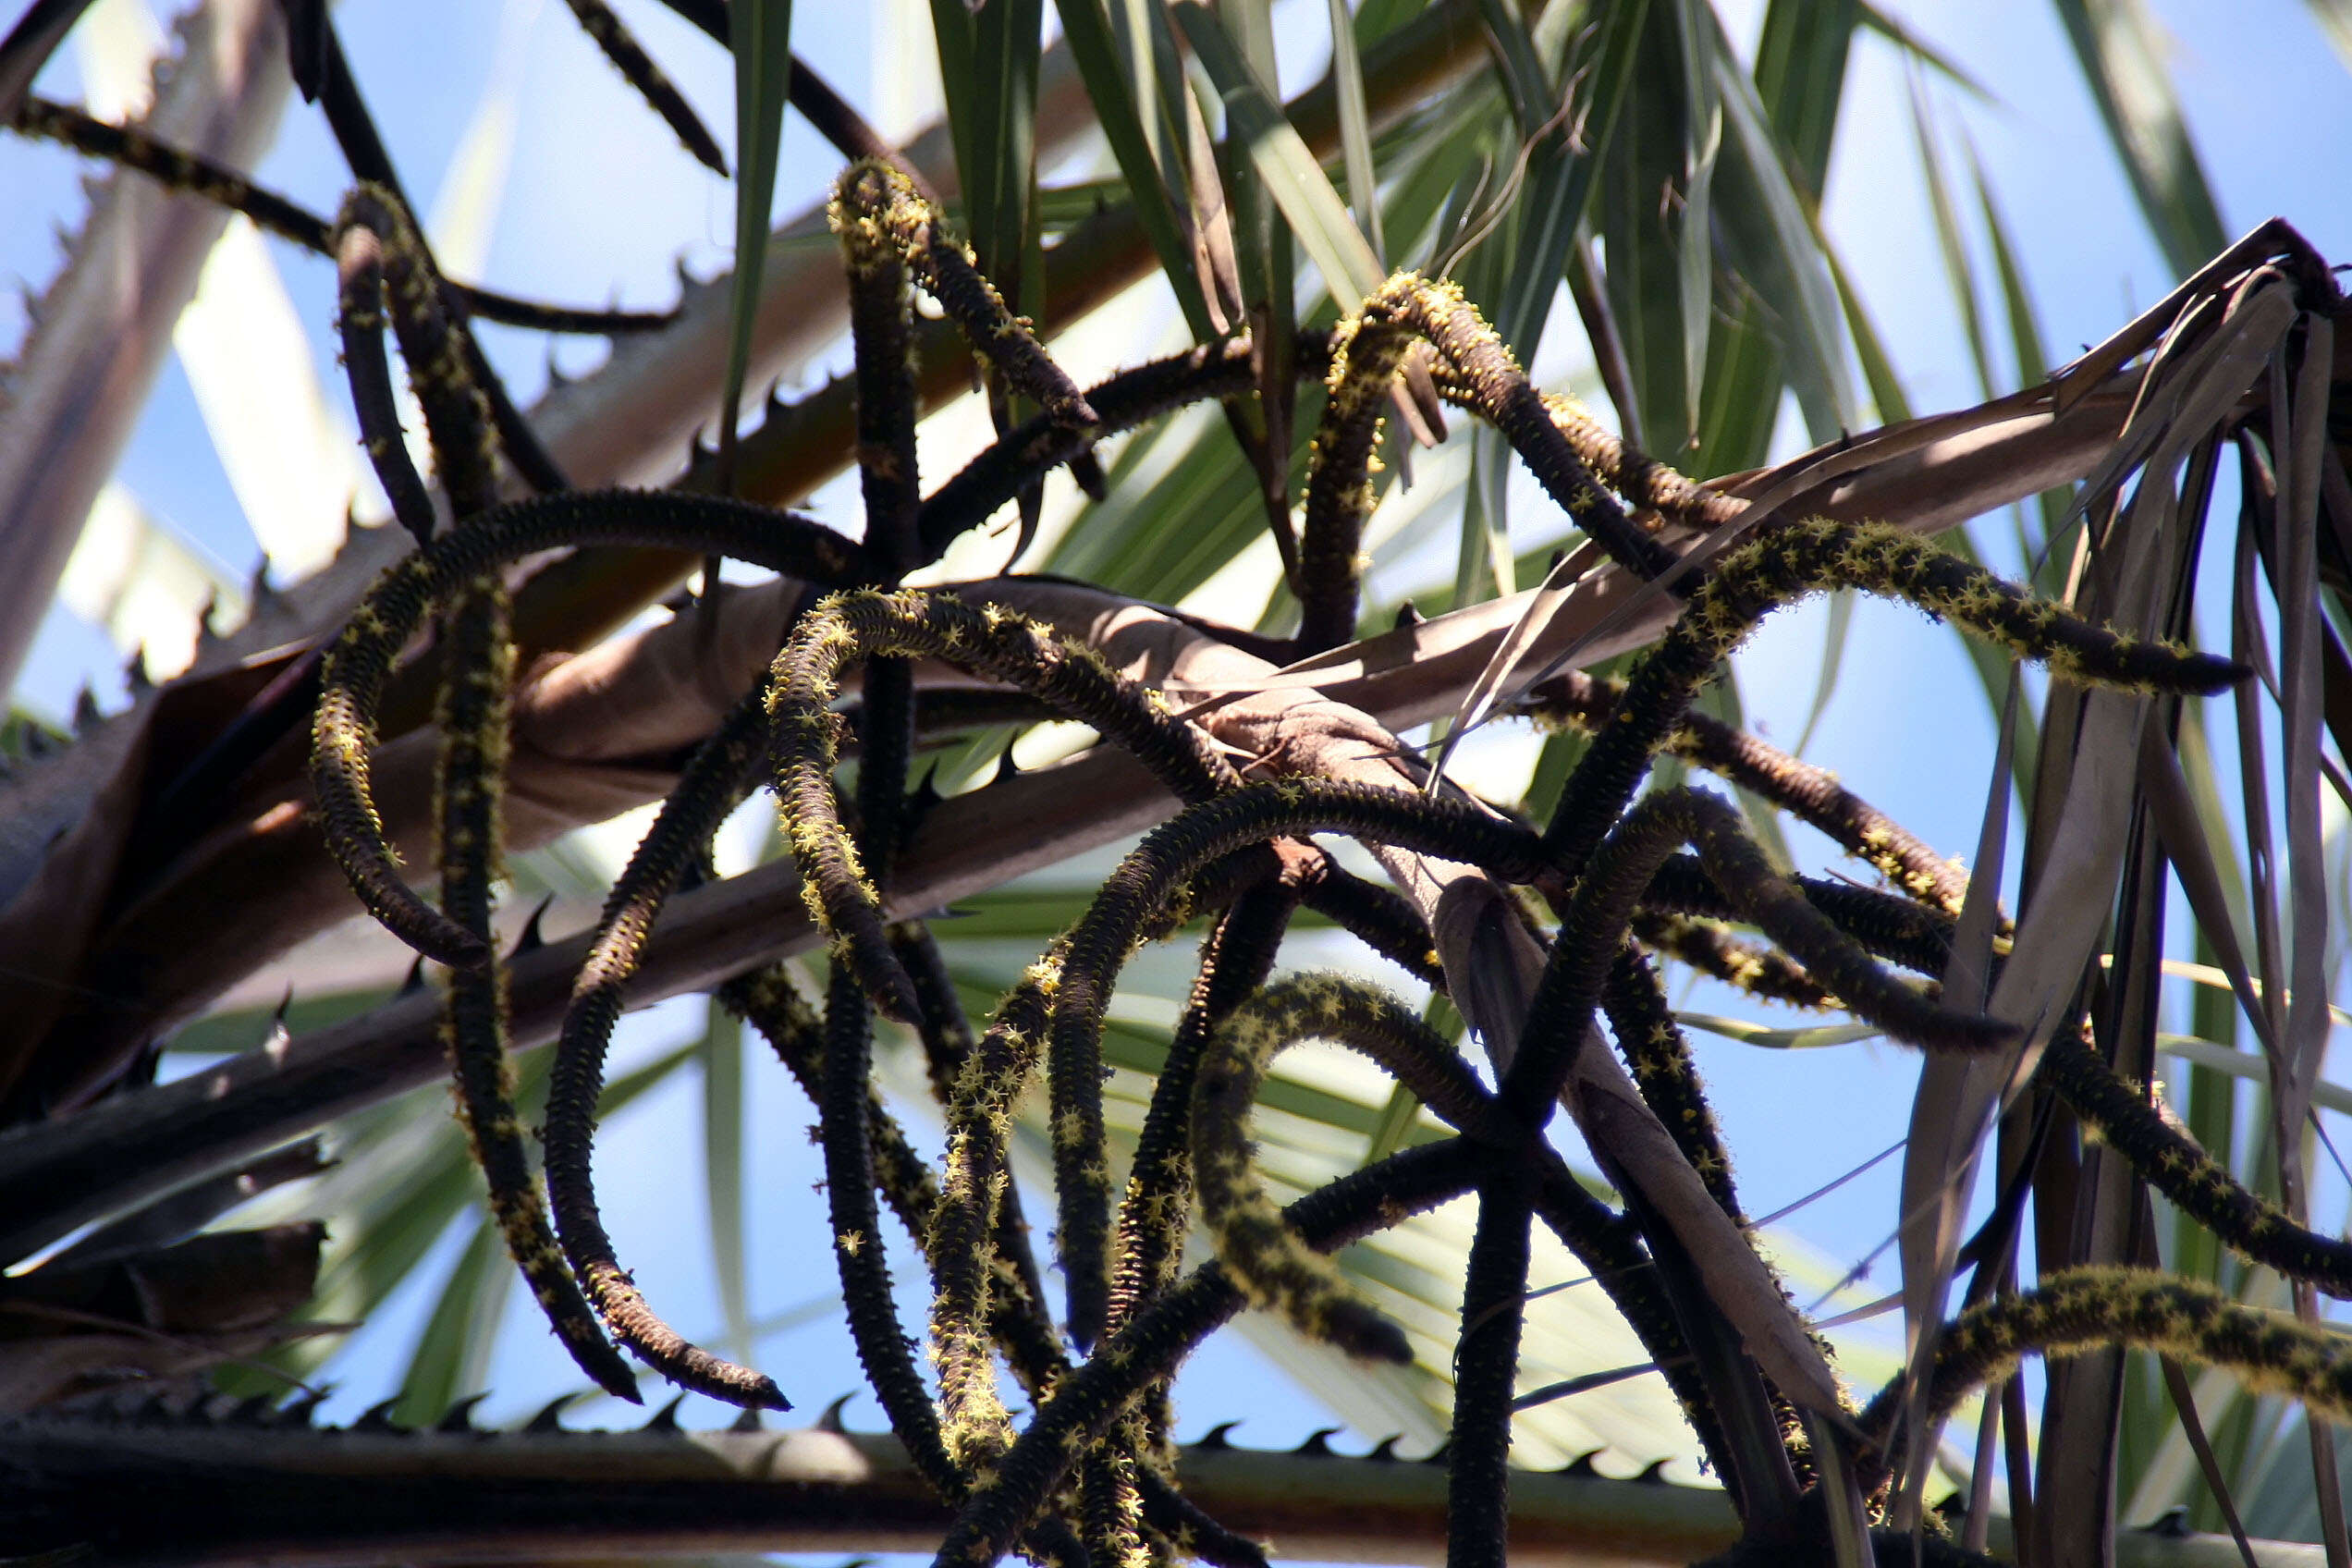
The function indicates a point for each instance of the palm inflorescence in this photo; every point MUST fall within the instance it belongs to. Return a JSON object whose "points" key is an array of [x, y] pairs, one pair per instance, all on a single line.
{"points": [[1086, 1471], [1592, 897]]}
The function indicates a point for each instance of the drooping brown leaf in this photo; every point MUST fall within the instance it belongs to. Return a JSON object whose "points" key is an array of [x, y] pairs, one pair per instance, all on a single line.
{"points": [[162, 1315]]}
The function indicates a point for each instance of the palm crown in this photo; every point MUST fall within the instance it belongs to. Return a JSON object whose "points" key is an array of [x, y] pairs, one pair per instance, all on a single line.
{"points": [[952, 925]]}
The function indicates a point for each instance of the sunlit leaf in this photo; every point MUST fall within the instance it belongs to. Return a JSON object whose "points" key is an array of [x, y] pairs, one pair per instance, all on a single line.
{"points": [[1893, 30], [1648, 230], [1126, 102], [2121, 47], [1959, 274], [1838, 627], [1800, 75], [1004, 115], [1356, 128], [1292, 179], [721, 1052], [760, 32], [149, 588], [2334, 18], [452, 1352], [1811, 1038], [1769, 236]]}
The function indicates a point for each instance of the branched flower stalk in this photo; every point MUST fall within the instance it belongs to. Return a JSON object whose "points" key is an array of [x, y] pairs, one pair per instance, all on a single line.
{"points": [[388, 271], [1085, 1474]]}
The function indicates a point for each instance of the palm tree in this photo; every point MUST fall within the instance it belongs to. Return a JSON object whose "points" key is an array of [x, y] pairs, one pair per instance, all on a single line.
{"points": [[1631, 197]]}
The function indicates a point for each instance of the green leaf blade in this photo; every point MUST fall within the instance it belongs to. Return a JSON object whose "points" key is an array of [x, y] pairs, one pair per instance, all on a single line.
{"points": [[761, 33], [1291, 175]]}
